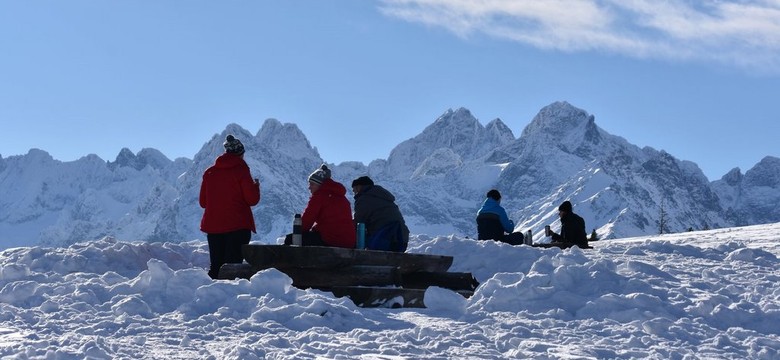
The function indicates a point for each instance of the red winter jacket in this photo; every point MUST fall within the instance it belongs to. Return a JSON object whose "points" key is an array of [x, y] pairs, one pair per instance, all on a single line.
{"points": [[227, 193], [329, 213]]}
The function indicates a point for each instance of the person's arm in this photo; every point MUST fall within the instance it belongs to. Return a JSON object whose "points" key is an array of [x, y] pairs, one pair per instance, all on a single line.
{"points": [[312, 212], [507, 224], [249, 187], [361, 215], [203, 193]]}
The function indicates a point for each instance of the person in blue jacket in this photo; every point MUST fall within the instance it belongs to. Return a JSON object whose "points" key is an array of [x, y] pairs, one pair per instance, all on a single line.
{"points": [[494, 224]]}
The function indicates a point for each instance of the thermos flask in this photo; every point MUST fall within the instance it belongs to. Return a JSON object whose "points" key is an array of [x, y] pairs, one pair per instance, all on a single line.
{"points": [[297, 237]]}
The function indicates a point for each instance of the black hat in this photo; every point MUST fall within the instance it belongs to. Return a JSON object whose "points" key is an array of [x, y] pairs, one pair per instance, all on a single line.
{"points": [[363, 180], [565, 206], [320, 175], [233, 146], [494, 194]]}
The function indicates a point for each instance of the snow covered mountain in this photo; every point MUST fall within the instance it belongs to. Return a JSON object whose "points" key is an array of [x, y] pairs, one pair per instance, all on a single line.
{"points": [[439, 177]]}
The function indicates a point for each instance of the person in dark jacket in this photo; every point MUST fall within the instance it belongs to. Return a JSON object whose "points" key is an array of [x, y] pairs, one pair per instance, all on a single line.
{"points": [[375, 207], [227, 194], [572, 227], [327, 218], [493, 222]]}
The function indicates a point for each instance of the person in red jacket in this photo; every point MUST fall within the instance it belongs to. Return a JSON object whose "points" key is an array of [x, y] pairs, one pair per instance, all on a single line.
{"points": [[327, 219], [227, 194]]}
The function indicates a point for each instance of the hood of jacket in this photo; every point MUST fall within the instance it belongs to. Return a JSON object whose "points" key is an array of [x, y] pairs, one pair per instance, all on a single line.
{"points": [[378, 192], [331, 187], [228, 160]]}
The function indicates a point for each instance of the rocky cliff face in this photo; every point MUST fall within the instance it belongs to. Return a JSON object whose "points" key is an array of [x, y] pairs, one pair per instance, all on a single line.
{"points": [[752, 198], [439, 178]]}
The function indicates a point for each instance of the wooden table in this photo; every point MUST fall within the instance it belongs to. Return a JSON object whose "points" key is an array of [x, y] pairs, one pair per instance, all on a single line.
{"points": [[370, 278]]}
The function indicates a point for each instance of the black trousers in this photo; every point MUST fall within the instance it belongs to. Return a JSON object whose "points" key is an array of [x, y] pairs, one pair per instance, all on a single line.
{"points": [[226, 248], [308, 238], [515, 238]]}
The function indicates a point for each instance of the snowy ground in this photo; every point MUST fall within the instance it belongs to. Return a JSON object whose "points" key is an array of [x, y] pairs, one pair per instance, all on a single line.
{"points": [[713, 294]]}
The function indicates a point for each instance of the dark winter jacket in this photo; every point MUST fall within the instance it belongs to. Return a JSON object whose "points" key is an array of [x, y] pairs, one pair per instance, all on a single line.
{"points": [[375, 207], [329, 213], [492, 206], [572, 230], [227, 193]]}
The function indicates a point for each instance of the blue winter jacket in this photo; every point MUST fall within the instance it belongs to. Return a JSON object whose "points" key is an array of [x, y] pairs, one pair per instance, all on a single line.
{"points": [[491, 206]]}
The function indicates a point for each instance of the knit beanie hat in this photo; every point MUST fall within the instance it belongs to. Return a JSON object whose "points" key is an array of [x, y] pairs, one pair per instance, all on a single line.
{"points": [[233, 146], [565, 206], [320, 175], [363, 180]]}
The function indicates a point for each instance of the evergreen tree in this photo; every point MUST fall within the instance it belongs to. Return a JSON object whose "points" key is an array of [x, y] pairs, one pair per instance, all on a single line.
{"points": [[662, 219]]}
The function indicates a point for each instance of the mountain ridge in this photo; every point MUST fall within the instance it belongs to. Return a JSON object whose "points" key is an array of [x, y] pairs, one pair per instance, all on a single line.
{"points": [[439, 178]]}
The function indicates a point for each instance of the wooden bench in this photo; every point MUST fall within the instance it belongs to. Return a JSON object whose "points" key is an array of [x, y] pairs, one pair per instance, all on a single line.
{"points": [[560, 245], [369, 278]]}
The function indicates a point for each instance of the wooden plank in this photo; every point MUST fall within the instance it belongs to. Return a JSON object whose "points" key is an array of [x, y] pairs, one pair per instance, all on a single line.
{"points": [[357, 275], [324, 279], [236, 271], [323, 257], [367, 286], [391, 297], [382, 296], [447, 280], [560, 245]]}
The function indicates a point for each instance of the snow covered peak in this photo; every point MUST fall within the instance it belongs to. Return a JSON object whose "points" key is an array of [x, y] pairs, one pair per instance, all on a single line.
{"points": [[38, 155], [455, 130], [563, 125], [733, 177], [154, 158], [765, 173], [499, 132], [287, 138], [145, 157], [456, 118], [751, 198]]}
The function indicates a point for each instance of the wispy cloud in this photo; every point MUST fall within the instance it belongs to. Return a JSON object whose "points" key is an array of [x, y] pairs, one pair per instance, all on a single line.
{"points": [[742, 33]]}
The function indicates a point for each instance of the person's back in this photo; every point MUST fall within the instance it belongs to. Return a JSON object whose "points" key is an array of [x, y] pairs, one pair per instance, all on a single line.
{"points": [[376, 208], [227, 207], [489, 227], [572, 227], [226, 194], [493, 222]]}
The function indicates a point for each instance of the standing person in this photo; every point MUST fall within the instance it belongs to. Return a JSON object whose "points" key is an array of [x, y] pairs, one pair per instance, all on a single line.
{"points": [[327, 218], [227, 194], [572, 227], [493, 223], [375, 207]]}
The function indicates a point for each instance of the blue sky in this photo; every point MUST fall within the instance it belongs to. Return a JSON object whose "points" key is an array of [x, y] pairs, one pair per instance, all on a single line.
{"points": [[698, 79]]}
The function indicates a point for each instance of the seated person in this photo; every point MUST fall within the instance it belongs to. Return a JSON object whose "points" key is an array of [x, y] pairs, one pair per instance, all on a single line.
{"points": [[572, 227], [375, 207], [494, 224], [327, 218]]}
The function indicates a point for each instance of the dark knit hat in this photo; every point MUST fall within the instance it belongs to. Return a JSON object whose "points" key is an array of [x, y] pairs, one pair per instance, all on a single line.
{"points": [[233, 145], [320, 175], [494, 194], [565, 206], [363, 180]]}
